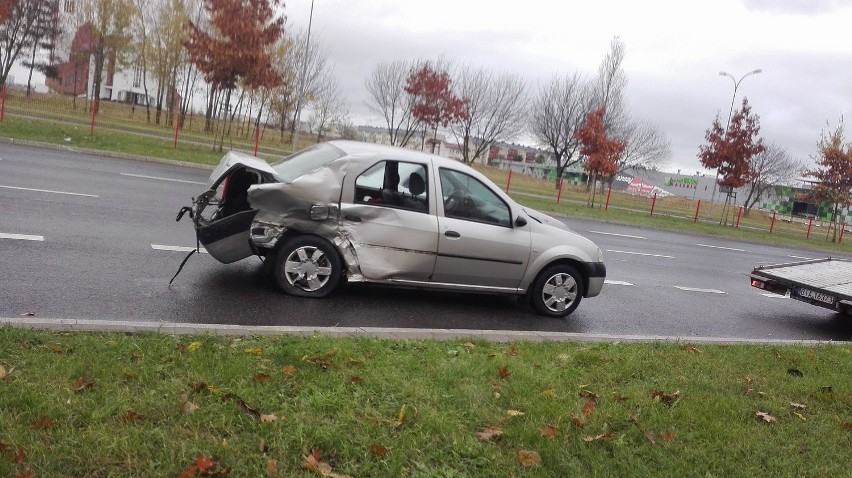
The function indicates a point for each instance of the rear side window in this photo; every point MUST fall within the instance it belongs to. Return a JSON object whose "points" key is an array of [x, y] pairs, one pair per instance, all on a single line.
{"points": [[306, 161], [394, 184]]}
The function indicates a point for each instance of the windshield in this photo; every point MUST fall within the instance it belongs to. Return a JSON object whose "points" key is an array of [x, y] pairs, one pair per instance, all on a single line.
{"points": [[306, 161]]}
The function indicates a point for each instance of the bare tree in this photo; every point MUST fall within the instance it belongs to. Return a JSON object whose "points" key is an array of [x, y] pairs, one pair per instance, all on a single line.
{"points": [[389, 99], [112, 39], [18, 32], [559, 110], [330, 106], [772, 168], [609, 89], [496, 106], [647, 147], [312, 68]]}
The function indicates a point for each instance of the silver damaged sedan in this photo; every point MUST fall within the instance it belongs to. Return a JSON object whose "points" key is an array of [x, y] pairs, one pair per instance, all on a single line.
{"points": [[358, 212]]}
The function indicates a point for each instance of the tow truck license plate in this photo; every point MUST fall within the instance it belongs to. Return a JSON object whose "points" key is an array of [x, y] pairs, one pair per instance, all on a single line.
{"points": [[818, 296]]}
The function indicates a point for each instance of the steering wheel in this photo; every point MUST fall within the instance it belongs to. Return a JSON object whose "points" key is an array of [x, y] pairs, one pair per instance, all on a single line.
{"points": [[453, 202]]}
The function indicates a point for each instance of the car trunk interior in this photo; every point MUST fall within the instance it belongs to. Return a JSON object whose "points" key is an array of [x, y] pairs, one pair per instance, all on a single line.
{"points": [[225, 234]]}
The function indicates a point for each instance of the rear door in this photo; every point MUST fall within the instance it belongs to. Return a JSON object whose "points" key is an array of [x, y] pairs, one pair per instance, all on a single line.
{"points": [[390, 222]]}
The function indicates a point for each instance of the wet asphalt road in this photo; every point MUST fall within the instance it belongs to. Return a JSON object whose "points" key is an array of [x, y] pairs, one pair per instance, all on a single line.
{"points": [[99, 217]]}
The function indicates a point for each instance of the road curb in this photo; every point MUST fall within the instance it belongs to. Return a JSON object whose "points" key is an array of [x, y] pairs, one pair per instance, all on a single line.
{"points": [[174, 328]]}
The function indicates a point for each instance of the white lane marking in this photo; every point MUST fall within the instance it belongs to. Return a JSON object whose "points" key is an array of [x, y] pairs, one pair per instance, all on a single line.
{"points": [[640, 254], [21, 237], [720, 247], [774, 296], [800, 257], [616, 282], [48, 191], [162, 179], [693, 289], [160, 247], [619, 235]]}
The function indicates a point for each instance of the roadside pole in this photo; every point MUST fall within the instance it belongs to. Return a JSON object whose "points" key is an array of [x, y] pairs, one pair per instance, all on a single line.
{"points": [[697, 208], [3, 103], [509, 181], [653, 204]]}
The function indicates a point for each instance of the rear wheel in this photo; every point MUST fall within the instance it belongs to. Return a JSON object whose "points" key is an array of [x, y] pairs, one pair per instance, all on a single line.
{"points": [[557, 291], [307, 266]]}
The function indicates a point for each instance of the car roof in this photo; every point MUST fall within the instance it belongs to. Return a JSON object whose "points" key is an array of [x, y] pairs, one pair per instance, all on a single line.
{"points": [[358, 148]]}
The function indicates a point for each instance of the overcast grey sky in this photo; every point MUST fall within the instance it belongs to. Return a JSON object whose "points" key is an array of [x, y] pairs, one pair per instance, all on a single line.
{"points": [[675, 50]]}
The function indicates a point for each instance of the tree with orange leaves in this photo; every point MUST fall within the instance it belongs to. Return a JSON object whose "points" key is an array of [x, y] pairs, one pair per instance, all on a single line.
{"points": [[730, 150], [434, 103], [602, 152], [834, 176], [237, 47]]}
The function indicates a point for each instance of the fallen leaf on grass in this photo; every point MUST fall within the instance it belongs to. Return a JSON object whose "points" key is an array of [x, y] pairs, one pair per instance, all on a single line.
{"points": [[515, 413], [588, 408], [323, 360], [766, 417], [313, 463], [548, 431], [601, 437], [578, 422], [131, 417], [356, 379], [618, 397], [489, 433], [668, 399], [24, 474], [272, 468], [262, 377], [800, 416], [799, 406], [267, 418], [668, 437], [202, 467], [55, 349], [82, 384], [548, 393], [795, 372], [651, 438], [254, 351], [3, 372], [468, 345], [378, 450], [288, 370], [504, 372], [42, 423], [511, 351], [19, 457], [194, 346], [692, 349], [589, 395], [528, 457], [847, 426], [186, 404]]}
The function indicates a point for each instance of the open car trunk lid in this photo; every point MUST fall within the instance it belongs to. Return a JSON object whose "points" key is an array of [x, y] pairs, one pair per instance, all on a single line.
{"points": [[225, 232]]}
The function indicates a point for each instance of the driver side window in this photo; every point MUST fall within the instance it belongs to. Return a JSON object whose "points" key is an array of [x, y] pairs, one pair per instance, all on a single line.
{"points": [[465, 197]]}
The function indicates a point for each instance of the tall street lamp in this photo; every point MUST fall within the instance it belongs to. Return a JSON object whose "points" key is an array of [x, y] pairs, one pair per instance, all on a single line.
{"points": [[728, 125], [301, 91]]}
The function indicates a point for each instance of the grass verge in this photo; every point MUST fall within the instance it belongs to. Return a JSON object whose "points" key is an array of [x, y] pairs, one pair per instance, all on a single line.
{"points": [[85, 404]]}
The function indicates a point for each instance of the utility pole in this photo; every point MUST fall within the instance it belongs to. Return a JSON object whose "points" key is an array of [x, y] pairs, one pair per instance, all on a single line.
{"points": [[301, 92]]}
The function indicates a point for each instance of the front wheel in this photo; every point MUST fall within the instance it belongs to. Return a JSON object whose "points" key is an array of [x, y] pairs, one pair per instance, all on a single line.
{"points": [[307, 266], [557, 291]]}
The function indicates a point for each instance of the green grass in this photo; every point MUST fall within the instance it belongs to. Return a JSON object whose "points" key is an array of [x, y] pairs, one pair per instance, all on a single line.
{"points": [[149, 404]]}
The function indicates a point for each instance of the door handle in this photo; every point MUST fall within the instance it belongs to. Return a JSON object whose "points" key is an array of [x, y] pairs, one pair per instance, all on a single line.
{"points": [[452, 234], [352, 218]]}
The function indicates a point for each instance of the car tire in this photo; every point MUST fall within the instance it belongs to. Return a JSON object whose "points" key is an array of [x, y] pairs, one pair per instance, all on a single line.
{"points": [[307, 266], [557, 291]]}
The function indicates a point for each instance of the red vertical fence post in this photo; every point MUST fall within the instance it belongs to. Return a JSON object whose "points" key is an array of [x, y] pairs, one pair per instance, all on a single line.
{"points": [[3, 103], [739, 216], [177, 126], [697, 208], [810, 223], [94, 112], [559, 193], [653, 204], [608, 194], [256, 139], [843, 228], [772, 223], [509, 181]]}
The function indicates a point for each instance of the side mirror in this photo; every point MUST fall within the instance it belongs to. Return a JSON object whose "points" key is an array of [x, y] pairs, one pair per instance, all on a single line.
{"points": [[520, 222]]}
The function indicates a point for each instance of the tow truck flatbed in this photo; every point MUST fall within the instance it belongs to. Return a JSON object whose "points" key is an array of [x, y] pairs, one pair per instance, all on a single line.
{"points": [[822, 282]]}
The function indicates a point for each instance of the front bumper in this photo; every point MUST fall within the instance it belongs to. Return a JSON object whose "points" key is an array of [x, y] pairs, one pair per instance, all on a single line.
{"points": [[596, 272]]}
